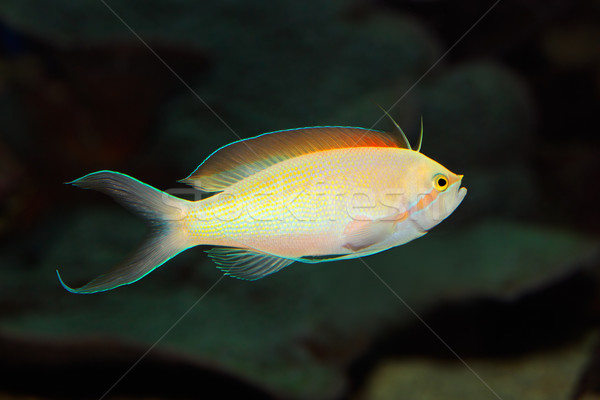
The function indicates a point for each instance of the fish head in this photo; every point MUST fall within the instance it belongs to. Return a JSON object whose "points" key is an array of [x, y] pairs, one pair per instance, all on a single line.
{"points": [[436, 193]]}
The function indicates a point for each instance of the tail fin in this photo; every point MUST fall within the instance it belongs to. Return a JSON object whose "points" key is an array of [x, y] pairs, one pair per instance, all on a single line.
{"points": [[165, 213]]}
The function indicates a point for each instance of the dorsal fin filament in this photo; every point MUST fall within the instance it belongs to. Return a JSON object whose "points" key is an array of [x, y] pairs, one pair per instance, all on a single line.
{"points": [[397, 127]]}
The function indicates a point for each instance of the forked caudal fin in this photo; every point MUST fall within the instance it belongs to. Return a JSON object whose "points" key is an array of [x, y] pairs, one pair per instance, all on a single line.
{"points": [[165, 213]]}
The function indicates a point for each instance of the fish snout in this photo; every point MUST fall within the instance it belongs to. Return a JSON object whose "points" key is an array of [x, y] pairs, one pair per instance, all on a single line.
{"points": [[461, 191]]}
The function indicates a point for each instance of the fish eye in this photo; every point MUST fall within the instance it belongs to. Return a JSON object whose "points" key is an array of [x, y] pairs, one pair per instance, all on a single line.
{"points": [[440, 182]]}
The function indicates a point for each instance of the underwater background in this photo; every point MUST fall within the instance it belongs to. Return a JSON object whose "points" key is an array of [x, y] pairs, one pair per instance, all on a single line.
{"points": [[501, 301]]}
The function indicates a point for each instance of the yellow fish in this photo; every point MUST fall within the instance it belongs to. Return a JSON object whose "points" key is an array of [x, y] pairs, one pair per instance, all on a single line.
{"points": [[309, 195]]}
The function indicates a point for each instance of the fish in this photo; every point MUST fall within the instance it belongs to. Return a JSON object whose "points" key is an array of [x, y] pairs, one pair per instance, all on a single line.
{"points": [[308, 195]]}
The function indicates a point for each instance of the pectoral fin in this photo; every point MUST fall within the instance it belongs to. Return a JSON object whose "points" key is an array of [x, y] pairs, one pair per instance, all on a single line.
{"points": [[246, 264], [363, 233]]}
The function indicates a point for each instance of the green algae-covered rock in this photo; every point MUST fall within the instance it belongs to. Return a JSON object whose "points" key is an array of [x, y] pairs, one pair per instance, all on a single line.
{"points": [[268, 90], [481, 113], [292, 332], [546, 376], [265, 55]]}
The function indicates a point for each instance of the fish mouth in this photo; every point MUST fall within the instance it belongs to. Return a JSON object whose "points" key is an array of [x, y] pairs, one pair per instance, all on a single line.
{"points": [[462, 192]]}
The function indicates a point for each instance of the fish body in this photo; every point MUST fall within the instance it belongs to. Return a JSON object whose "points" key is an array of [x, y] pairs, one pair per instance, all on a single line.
{"points": [[315, 212], [309, 195]]}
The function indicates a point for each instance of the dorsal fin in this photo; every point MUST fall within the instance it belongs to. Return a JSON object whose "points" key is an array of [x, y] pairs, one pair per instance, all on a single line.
{"points": [[238, 160]]}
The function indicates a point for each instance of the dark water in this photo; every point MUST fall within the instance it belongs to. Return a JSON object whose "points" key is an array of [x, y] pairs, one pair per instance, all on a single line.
{"points": [[499, 301]]}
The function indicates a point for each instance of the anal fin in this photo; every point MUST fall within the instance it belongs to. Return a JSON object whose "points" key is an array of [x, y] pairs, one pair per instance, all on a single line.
{"points": [[246, 264]]}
